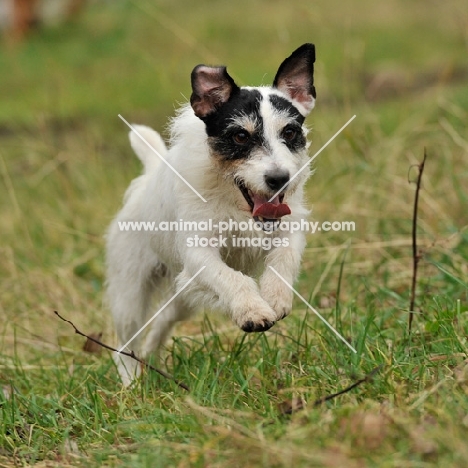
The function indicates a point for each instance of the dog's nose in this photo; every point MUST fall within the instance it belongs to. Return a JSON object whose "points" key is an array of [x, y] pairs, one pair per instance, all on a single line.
{"points": [[276, 179]]}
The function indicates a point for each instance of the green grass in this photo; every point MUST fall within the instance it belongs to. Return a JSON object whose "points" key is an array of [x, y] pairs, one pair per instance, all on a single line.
{"points": [[65, 163]]}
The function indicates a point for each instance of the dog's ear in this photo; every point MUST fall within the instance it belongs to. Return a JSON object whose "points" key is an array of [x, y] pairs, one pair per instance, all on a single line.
{"points": [[211, 87], [295, 78]]}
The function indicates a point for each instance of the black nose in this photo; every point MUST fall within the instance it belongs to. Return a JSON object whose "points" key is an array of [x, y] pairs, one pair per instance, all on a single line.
{"points": [[276, 179]]}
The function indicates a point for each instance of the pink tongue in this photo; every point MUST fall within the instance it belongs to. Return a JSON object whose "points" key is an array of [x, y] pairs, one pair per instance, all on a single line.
{"points": [[271, 210]]}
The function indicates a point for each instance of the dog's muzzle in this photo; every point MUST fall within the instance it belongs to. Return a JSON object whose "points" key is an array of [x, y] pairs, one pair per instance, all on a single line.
{"points": [[263, 210]]}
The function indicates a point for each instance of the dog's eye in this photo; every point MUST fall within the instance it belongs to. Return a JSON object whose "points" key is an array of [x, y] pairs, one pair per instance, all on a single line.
{"points": [[289, 133], [242, 137]]}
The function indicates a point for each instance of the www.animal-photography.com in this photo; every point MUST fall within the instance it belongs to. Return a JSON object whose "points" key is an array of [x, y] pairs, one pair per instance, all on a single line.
{"points": [[233, 233]]}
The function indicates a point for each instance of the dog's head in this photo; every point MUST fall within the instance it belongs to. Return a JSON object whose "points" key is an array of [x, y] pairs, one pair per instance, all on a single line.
{"points": [[256, 134]]}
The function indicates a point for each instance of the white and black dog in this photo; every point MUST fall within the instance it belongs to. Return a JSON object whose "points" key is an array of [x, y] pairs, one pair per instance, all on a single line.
{"points": [[240, 148]]}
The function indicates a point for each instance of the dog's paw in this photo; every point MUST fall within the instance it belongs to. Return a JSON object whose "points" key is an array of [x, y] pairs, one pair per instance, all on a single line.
{"points": [[129, 370], [251, 326], [254, 317], [278, 296]]}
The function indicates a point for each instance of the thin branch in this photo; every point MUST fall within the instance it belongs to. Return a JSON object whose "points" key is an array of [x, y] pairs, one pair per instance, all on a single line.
{"points": [[366, 378], [416, 255], [300, 405], [131, 354]]}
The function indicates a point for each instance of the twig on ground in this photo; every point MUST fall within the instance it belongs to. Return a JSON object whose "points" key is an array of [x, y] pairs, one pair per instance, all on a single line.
{"points": [[299, 405], [131, 354], [416, 254], [366, 378]]}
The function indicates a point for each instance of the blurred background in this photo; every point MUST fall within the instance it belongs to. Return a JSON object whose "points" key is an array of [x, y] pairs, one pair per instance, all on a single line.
{"points": [[69, 68]]}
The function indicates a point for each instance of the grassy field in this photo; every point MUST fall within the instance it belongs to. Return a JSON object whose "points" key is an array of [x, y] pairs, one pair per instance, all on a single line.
{"points": [[65, 162]]}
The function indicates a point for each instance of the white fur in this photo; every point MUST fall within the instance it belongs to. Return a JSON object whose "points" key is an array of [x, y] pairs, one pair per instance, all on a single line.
{"points": [[137, 261]]}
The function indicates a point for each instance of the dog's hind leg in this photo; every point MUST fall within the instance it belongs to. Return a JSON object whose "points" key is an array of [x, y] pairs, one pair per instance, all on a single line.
{"points": [[129, 307], [130, 287]]}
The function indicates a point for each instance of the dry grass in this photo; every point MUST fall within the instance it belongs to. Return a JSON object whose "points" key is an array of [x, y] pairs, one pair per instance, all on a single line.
{"points": [[64, 165]]}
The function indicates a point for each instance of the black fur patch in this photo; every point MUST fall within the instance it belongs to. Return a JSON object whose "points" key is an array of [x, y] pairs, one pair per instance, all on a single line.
{"points": [[244, 102], [285, 106]]}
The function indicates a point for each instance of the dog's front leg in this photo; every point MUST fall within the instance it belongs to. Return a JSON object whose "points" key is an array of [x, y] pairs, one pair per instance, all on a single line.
{"points": [[285, 261], [219, 286]]}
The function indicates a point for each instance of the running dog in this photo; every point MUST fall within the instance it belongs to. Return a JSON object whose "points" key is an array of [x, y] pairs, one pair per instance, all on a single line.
{"points": [[236, 155]]}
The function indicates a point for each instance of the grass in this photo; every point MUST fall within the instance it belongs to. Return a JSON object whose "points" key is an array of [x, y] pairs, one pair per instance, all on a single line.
{"points": [[65, 163]]}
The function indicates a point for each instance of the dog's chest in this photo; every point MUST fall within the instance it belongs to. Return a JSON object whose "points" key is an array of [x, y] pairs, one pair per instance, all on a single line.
{"points": [[245, 253]]}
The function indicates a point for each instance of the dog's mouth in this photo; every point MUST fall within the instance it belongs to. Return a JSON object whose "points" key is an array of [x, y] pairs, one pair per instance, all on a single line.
{"points": [[263, 210]]}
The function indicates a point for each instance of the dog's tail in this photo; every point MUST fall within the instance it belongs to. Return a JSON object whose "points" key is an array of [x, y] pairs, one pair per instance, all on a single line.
{"points": [[148, 146]]}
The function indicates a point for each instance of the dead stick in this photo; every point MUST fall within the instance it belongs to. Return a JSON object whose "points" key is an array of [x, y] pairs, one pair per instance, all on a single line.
{"points": [[416, 256], [131, 354], [322, 400], [366, 378]]}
